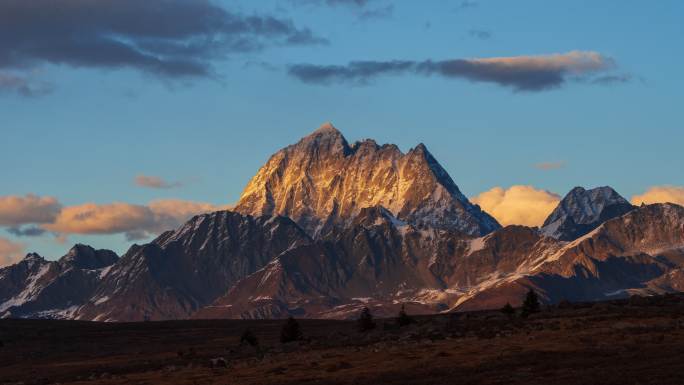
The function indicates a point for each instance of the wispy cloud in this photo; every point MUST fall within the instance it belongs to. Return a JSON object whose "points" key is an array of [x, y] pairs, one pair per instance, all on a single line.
{"points": [[25, 85], [29, 231], [155, 182], [467, 4], [521, 73], [376, 13], [10, 252], [480, 34], [363, 9], [518, 205], [612, 79], [547, 166], [354, 3]]}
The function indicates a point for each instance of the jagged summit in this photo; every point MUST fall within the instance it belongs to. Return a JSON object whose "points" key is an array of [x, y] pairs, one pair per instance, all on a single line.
{"points": [[33, 257], [326, 128], [322, 183], [583, 210], [325, 140], [86, 257]]}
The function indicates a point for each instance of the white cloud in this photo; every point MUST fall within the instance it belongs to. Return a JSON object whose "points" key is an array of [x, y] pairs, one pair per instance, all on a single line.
{"points": [[661, 194], [519, 205]]}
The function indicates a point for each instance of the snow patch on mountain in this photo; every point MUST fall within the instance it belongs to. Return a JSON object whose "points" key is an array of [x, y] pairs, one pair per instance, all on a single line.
{"points": [[580, 211], [31, 288]]}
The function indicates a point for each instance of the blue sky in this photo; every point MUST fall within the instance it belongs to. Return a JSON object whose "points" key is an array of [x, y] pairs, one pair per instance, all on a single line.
{"points": [[95, 128]]}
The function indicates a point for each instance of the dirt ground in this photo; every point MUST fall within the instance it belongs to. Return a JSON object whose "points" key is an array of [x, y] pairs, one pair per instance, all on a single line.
{"points": [[637, 341]]}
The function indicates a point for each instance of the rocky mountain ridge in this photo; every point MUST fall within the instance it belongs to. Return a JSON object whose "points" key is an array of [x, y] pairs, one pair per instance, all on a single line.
{"points": [[322, 183], [326, 228], [37, 288]]}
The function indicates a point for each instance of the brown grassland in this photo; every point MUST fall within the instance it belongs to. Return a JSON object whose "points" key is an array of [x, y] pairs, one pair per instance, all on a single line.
{"points": [[635, 341]]}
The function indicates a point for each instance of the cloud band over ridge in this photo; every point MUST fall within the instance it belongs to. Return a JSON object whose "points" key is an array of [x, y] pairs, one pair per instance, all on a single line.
{"points": [[660, 194], [135, 221], [521, 73], [518, 205], [43, 214]]}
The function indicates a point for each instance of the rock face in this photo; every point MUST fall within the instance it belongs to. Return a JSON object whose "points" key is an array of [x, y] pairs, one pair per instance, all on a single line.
{"points": [[38, 288], [584, 210], [183, 270], [322, 183], [641, 252], [383, 262], [85, 257], [378, 258]]}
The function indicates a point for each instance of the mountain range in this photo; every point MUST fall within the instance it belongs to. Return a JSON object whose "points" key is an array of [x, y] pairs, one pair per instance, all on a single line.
{"points": [[326, 227]]}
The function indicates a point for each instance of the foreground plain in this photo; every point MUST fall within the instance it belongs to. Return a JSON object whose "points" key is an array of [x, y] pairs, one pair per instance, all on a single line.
{"points": [[635, 341]]}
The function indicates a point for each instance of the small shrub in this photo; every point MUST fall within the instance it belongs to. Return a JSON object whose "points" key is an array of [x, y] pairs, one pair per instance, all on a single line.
{"points": [[404, 319], [508, 310], [248, 338], [531, 304], [365, 321], [291, 331]]}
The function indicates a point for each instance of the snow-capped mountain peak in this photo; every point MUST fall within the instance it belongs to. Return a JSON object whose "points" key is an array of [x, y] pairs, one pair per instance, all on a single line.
{"points": [[581, 211], [322, 183]]}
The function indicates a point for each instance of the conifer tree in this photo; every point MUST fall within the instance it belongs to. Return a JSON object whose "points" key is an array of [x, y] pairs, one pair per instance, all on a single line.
{"points": [[291, 331], [404, 319], [365, 321], [531, 304], [508, 310]]}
